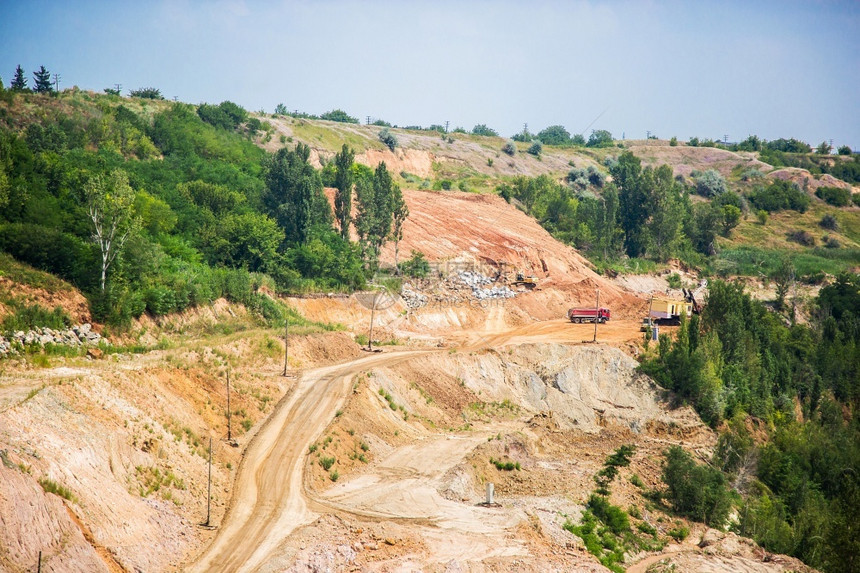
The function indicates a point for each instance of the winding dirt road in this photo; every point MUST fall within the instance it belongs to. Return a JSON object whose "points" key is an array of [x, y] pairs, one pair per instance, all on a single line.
{"points": [[267, 503]]}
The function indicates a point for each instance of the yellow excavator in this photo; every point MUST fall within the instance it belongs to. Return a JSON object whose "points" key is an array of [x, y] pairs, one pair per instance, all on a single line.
{"points": [[523, 280]]}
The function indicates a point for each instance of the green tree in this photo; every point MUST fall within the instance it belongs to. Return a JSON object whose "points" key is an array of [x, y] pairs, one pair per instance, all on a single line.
{"points": [[600, 138], [19, 82], [633, 202], [731, 218], [293, 187], [844, 150], [42, 81], [110, 206], [694, 490], [343, 181], [664, 204], [374, 212], [482, 129], [554, 135], [535, 148], [823, 148], [146, 93], [400, 211], [281, 109], [784, 278]]}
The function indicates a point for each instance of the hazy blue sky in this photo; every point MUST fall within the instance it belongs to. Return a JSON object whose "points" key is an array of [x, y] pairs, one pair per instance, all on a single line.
{"points": [[703, 68]]}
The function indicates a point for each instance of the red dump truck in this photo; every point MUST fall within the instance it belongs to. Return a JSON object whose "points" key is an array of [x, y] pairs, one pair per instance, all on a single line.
{"points": [[588, 314]]}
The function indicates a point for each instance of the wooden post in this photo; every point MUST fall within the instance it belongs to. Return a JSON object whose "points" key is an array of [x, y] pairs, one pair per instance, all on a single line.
{"points": [[39, 566], [286, 342], [229, 418], [597, 316], [209, 490], [372, 309]]}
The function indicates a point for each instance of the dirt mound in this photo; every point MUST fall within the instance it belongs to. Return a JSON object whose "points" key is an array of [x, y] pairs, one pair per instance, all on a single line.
{"points": [[455, 230], [806, 181], [67, 298], [685, 159]]}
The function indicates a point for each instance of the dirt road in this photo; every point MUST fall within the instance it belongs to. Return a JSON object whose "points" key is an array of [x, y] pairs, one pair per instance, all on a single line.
{"points": [[267, 503]]}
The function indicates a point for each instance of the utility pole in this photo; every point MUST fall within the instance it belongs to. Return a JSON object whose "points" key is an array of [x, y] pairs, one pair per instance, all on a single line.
{"points": [[229, 418], [209, 490], [368, 120], [597, 316], [647, 134], [725, 139], [118, 88], [286, 340], [57, 84], [525, 128], [446, 126]]}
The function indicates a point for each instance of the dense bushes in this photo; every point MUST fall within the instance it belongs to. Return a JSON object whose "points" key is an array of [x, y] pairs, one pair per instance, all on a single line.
{"points": [[778, 196], [836, 196], [696, 491], [226, 115]]}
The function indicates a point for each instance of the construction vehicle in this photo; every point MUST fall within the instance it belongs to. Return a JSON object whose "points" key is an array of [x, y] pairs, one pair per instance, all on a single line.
{"points": [[579, 315], [667, 311], [523, 280]]}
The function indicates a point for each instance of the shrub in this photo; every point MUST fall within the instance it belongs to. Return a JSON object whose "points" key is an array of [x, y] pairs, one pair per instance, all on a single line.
{"points": [[710, 184], [50, 486], [146, 93], [836, 196], [339, 115], [831, 242], [388, 139], [844, 150], [802, 238], [674, 280], [829, 222], [761, 216], [327, 462], [535, 148], [506, 466], [612, 516], [673, 141], [416, 266], [779, 195], [510, 148], [482, 129], [334, 475], [679, 534]]}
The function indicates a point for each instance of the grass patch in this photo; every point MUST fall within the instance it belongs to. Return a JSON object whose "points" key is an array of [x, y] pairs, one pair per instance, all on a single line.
{"points": [[507, 466], [152, 480], [27, 275], [755, 261], [50, 486]]}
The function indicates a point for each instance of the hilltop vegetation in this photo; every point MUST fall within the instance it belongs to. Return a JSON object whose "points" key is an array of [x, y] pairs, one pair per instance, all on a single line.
{"points": [[150, 206]]}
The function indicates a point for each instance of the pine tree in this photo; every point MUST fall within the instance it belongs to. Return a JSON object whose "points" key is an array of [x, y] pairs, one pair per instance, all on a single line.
{"points": [[19, 82], [42, 81]]}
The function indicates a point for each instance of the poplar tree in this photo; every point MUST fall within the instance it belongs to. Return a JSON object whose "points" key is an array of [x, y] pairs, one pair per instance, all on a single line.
{"points": [[343, 181]]}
